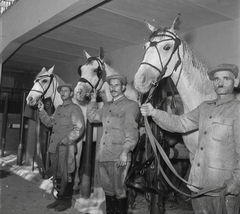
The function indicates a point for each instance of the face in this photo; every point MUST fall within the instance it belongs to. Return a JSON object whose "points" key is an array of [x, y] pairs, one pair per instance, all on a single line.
{"points": [[66, 93], [116, 87], [224, 82]]}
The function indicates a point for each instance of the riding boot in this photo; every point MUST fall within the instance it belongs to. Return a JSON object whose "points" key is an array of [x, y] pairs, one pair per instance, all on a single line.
{"points": [[59, 198], [121, 206], [66, 202], [110, 204]]}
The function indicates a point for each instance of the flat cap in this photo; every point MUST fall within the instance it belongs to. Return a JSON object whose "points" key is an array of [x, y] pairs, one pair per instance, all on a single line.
{"points": [[224, 67], [64, 85], [117, 76]]}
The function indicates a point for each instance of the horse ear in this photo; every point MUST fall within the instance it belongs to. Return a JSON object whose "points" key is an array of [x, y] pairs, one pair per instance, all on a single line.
{"points": [[51, 70], [176, 23], [86, 55], [150, 27], [101, 53]]}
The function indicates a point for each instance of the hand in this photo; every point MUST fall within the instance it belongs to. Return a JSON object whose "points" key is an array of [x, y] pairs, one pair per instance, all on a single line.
{"points": [[147, 109], [40, 106], [122, 161], [231, 188]]}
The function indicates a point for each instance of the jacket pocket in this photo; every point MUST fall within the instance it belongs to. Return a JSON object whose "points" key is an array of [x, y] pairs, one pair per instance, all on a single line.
{"points": [[222, 130]]}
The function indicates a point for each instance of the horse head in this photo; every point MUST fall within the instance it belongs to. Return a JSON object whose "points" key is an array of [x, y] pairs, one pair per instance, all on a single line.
{"points": [[161, 57], [92, 76], [44, 87]]}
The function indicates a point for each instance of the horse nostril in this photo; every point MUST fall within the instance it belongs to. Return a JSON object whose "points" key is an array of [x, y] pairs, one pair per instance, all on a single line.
{"points": [[143, 79]]}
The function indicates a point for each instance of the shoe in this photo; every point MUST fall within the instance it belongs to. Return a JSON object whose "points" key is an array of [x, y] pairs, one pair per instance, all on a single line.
{"points": [[64, 205], [54, 204]]}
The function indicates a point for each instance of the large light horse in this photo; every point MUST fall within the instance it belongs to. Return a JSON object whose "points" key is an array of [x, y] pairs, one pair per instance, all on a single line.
{"points": [[166, 55], [45, 86]]}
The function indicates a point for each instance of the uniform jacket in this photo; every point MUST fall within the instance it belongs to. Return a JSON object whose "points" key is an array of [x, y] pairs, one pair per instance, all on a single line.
{"points": [[217, 158], [67, 122], [120, 129]]}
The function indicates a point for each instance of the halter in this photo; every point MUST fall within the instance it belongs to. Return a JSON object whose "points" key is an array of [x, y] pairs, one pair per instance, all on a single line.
{"points": [[164, 68], [100, 72], [43, 92]]}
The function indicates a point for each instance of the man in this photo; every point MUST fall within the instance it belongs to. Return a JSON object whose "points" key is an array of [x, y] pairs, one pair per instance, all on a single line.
{"points": [[217, 160], [120, 136], [68, 126]]}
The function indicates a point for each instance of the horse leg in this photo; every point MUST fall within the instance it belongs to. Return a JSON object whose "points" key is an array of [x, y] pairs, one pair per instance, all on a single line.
{"points": [[76, 185]]}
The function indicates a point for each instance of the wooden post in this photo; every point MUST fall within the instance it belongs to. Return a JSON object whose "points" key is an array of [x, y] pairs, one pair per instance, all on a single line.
{"points": [[87, 165]]}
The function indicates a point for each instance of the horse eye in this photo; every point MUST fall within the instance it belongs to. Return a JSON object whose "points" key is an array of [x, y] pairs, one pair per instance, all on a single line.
{"points": [[44, 81], [166, 47], [80, 71]]}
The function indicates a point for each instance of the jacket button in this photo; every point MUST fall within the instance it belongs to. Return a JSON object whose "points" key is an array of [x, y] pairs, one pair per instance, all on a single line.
{"points": [[205, 132], [201, 148], [210, 117], [107, 121], [103, 143], [198, 164], [105, 132]]}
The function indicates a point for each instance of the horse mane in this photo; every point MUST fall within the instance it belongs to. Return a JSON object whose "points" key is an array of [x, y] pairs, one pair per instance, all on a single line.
{"points": [[59, 80], [196, 70]]}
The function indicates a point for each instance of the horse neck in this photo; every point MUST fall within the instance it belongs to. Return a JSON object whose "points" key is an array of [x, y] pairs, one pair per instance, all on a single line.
{"points": [[104, 91], [56, 97], [192, 82]]}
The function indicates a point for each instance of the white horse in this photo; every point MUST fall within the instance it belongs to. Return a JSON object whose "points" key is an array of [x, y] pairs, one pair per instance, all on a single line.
{"points": [[166, 55], [93, 74], [45, 86]]}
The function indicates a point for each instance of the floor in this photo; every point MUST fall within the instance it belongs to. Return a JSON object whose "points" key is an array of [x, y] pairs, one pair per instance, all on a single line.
{"points": [[23, 191]]}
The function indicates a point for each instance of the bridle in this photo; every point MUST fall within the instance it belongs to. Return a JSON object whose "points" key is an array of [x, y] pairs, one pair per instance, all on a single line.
{"points": [[44, 91], [101, 74], [170, 36]]}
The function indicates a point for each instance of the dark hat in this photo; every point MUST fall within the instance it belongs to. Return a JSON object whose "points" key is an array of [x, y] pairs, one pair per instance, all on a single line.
{"points": [[224, 67], [64, 85], [117, 76]]}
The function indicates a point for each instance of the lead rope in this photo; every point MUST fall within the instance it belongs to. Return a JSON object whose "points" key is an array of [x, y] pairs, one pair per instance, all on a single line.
{"points": [[202, 191]]}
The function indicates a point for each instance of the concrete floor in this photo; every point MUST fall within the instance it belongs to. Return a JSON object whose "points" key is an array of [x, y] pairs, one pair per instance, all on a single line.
{"points": [[23, 191]]}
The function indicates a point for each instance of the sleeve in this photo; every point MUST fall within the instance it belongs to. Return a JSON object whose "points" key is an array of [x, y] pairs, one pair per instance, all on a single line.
{"points": [[47, 120], [177, 123], [94, 114], [131, 127], [236, 131], [77, 120]]}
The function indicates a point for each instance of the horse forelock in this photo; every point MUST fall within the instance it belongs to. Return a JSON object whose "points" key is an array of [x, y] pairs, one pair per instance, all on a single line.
{"points": [[195, 70], [160, 33]]}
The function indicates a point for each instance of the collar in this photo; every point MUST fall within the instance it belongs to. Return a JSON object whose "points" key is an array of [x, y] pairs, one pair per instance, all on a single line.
{"points": [[67, 102], [218, 101], [117, 98]]}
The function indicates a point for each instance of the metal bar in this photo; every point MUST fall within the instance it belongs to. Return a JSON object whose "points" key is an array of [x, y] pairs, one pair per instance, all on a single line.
{"points": [[20, 147], [4, 125]]}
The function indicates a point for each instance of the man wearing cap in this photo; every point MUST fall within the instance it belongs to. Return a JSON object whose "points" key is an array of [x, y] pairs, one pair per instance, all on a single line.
{"points": [[68, 126], [120, 136], [217, 159]]}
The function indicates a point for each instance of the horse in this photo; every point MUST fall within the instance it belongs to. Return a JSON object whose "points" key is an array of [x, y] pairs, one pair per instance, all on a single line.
{"points": [[45, 86], [92, 76], [167, 55]]}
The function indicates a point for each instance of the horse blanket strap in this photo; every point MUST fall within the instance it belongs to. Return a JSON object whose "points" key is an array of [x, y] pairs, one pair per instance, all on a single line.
{"points": [[156, 146], [63, 175]]}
